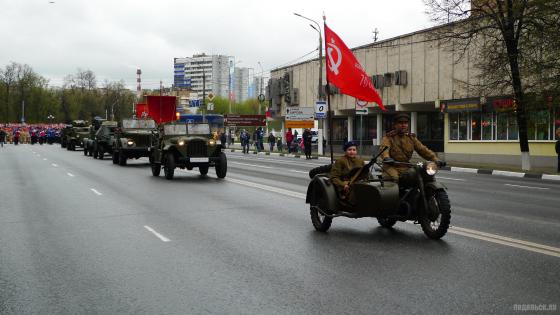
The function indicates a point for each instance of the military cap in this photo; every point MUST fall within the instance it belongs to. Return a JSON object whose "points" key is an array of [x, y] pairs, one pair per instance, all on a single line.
{"points": [[348, 144], [401, 117]]}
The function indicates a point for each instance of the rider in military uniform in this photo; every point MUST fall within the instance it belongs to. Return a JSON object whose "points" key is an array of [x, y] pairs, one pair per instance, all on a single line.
{"points": [[343, 166], [401, 144]]}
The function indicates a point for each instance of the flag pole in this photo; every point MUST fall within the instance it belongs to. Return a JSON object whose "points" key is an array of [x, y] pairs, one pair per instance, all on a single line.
{"points": [[329, 112]]}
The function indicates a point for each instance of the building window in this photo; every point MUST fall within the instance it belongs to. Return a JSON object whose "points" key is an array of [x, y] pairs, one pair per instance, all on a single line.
{"points": [[476, 126], [368, 130], [340, 129], [453, 126]]}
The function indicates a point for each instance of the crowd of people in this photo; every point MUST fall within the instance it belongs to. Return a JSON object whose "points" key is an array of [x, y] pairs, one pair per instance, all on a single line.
{"points": [[24, 133]]}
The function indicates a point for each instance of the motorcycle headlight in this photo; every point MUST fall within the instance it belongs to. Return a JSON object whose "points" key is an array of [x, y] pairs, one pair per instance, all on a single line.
{"points": [[181, 142], [212, 142], [431, 168], [130, 142]]}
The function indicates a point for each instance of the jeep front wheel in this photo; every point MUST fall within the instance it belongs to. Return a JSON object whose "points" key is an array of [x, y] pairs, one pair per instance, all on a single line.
{"points": [[122, 158], [169, 167], [221, 166]]}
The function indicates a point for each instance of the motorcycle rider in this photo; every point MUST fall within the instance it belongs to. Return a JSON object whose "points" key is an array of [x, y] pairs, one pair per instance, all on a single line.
{"points": [[401, 144], [343, 166]]}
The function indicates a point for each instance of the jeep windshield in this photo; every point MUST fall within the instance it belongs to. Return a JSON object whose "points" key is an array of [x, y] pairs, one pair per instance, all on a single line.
{"points": [[138, 124], [198, 129], [175, 130]]}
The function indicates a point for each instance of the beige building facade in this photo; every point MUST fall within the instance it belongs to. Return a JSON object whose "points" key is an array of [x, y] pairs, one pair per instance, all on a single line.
{"points": [[428, 79]]}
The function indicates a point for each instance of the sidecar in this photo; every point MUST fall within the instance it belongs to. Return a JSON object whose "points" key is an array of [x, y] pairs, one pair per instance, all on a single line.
{"points": [[373, 198]]}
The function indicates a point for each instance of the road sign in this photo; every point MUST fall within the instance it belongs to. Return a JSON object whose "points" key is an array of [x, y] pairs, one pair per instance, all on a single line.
{"points": [[245, 120], [300, 113], [299, 124], [210, 106], [320, 109], [361, 111], [261, 98], [210, 97], [361, 104], [194, 103]]}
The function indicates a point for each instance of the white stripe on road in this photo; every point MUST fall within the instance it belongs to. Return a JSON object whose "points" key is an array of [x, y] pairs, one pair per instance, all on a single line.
{"points": [[492, 238], [507, 241], [299, 172], [530, 187], [267, 188], [96, 192], [252, 165], [54, 165], [44, 159], [70, 174], [458, 179], [161, 237]]}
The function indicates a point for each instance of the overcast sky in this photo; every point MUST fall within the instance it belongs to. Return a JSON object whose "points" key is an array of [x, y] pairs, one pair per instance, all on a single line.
{"points": [[114, 37]]}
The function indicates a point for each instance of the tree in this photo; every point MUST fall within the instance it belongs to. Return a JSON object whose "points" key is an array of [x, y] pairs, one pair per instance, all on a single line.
{"points": [[516, 42], [8, 79]]}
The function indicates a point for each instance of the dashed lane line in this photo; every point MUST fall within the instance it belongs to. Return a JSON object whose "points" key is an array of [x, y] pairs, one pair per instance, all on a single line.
{"points": [[53, 164], [70, 174], [252, 165], [96, 192], [528, 187], [158, 235]]}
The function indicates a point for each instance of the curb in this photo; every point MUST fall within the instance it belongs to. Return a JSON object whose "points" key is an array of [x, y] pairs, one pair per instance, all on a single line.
{"points": [[502, 173], [446, 168]]}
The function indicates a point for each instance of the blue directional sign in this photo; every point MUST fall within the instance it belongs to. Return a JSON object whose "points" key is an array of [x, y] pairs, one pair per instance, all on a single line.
{"points": [[194, 103]]}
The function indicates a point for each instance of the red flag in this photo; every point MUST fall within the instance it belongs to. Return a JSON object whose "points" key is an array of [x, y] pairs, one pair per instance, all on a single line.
{"points": [[345, 72]]}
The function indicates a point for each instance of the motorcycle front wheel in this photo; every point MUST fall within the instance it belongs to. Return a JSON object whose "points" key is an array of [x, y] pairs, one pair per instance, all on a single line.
{"points": [[320, 222], [436, 229]]}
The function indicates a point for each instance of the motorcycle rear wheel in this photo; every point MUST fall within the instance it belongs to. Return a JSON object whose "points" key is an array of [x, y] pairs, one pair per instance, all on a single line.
{"points": [[320, 222], [436, 229]]}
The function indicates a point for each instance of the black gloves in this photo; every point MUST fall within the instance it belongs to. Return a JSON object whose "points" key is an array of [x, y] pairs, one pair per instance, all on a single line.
{"points": [[441, 163]]}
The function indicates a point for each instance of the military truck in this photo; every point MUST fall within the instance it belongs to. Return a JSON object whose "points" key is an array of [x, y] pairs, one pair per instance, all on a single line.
{"points": [[186, 145], [63, 132], [104, 138], [132, 140], [74, 135], [90, 140]]}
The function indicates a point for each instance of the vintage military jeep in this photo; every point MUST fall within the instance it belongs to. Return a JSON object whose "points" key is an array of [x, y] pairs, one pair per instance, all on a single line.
{"points": [[132, 140], [90, 140], [63, 132], [104, 138], [74, 136], [186, 145]]}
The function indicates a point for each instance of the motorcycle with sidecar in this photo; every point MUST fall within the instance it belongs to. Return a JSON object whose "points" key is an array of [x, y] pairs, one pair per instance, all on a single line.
{"points": [[417, 197]]}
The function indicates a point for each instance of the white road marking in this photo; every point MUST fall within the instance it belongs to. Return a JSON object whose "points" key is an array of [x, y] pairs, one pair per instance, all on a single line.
{"points": [[295, 171], [44, 159], [70, 174], [529, 187], [252, 165], [449, 178], [96, 192], [54, 165], [488, 237], [161, 237], [507, 241]]}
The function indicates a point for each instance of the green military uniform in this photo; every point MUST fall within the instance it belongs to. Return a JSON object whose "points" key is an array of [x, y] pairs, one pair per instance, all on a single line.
{"points": [[341, 168], [400, 148]]}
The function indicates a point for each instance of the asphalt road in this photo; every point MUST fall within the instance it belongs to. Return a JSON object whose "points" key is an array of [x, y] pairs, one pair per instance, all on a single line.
{"points": [[83, 236]]}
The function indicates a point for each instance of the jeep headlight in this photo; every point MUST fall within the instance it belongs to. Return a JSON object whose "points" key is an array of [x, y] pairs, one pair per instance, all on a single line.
{"points": [[130, 142], [431, 168], [212, 142], [181, 142]]}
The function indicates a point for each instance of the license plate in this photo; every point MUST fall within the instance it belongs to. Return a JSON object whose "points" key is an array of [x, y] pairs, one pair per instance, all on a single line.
{"points": [[199, 160]]}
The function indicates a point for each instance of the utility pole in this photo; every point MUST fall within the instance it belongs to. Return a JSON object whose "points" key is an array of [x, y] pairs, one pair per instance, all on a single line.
{"points": [[203, 93], [375, 33]]}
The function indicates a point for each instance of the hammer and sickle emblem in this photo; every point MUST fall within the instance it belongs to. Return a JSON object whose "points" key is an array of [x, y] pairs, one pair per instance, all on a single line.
{"points": [[333, 65]]}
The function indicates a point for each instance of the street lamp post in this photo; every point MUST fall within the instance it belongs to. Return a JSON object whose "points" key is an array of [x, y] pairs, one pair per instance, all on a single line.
{"points": [[319, 87]]}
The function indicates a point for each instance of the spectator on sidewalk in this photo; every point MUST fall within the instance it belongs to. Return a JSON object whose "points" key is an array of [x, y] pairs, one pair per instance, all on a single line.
{"points": [[3, 137], [223, 139], [307, 139], [271, 141], [289, 139], [244, 137]]}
